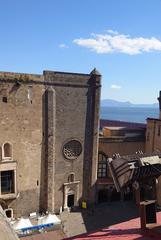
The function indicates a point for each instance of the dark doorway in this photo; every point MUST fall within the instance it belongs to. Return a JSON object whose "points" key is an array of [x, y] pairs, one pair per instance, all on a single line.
{"points": [[115, 196], [150, 210], [70, 200], [128, 196], [103, 195]]}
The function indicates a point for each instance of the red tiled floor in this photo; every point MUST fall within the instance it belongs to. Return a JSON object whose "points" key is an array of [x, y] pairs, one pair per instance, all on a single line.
{"points": [[129, 230]]}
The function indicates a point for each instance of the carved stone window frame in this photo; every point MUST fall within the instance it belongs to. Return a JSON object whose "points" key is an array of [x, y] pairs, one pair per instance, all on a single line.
{"points": [[71, 177], [66, 148], [9, 166], [4, 157], [71, 188]]}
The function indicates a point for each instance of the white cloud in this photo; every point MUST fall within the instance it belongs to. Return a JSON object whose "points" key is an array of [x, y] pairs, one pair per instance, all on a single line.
{"points": [[115, 42], [112, 32], [62, 45], [114, 86]]}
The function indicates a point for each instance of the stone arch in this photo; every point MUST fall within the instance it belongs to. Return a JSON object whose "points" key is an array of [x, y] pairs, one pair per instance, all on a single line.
{"points": [[7, 151], [71, 177], [71, 194]]}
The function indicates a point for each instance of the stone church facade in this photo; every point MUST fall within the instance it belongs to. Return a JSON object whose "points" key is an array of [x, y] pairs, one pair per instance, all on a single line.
{"points": [[48, 140]]}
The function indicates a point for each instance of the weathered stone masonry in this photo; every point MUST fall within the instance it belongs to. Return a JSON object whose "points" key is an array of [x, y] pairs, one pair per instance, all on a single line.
{"points": [[51, 122]]}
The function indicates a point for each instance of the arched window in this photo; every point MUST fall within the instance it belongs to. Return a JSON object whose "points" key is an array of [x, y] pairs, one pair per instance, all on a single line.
{"points": [[71, 177], [7, 151], [102, 166]]}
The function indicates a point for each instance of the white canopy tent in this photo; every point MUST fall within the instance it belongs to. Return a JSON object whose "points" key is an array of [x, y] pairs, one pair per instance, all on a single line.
{"points": [[21, 223], [50, 218]]}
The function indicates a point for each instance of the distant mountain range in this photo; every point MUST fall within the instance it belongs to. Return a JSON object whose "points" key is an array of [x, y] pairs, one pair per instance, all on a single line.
{"points": [[114, 103]]}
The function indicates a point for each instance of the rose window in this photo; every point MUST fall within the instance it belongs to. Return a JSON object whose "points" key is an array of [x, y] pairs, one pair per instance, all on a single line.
{"points": [[72, 149]]}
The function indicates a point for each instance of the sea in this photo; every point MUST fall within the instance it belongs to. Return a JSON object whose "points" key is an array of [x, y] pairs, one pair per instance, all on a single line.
{"points": [[129, 114]]}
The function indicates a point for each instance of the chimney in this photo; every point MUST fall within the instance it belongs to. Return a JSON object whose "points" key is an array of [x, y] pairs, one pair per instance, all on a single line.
{"points": [[159, 99]]}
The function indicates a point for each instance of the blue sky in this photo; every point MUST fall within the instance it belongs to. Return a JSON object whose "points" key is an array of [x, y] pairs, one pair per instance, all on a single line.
{"points": [[121, 38]]}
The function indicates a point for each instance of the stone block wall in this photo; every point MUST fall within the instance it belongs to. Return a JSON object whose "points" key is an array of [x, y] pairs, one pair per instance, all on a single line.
{"points": [[75, 118], [21, 126], [39, 115]]}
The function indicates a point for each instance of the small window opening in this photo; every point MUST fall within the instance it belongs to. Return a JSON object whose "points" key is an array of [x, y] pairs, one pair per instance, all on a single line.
{"points": [[71, 177], [9, 213], [4, 99], [7, 150]]}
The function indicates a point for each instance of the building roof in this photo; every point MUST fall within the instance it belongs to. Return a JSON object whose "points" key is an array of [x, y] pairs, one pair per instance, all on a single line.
{"points": [[154, 119], [115, 123], [137, 167]]}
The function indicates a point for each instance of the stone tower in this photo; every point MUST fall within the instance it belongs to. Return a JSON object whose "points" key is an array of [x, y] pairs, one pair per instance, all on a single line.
{"points": [[71, 133], [49, 140]]}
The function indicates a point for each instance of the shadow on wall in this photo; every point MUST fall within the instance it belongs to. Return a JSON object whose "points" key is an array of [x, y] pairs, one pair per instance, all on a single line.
{"points": [[43, 176], [88, 142]]}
